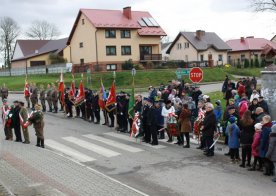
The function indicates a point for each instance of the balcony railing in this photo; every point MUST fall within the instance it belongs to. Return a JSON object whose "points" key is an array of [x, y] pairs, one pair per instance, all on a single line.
{"points": [[151, 57]]}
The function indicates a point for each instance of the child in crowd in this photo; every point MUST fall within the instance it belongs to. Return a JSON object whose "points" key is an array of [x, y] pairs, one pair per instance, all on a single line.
{"points": [[255, 147], [233, 132]]}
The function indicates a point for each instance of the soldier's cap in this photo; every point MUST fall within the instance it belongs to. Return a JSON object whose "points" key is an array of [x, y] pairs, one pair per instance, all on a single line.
{"points": [[16, 101], [5, 101]]}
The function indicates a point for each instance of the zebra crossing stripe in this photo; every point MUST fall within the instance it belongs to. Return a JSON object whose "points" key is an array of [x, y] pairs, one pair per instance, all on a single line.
{"points": [[113, 143], [74, 154], [129, 139], [92, 147]]}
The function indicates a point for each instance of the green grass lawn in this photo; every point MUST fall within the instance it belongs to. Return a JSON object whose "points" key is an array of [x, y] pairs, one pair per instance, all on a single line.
{"points": [[143, 78]]}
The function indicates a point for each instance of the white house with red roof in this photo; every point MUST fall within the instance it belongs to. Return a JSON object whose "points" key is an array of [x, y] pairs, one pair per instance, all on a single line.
{"points": [[104, 39], [251, 48]]}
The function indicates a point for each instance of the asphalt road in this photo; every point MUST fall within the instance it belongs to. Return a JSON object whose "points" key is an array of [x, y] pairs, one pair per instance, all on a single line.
{"points": [[166, 169]]}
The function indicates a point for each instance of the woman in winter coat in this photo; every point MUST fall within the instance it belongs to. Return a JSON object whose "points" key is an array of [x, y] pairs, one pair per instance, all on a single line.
{"points": [[271, 153], [166, 110], [252, 107], [243, 106], [186, 126], [246, 137], [233, 132], [256, 146]]}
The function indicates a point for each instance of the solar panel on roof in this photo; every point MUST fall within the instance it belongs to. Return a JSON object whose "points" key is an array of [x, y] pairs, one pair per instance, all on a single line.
{"points": [[142, 23], [148, 22], [153, 22]]}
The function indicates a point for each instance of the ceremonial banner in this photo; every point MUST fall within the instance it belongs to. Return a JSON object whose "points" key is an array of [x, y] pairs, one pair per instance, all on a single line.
{"points": [[80, 96], [111, 100], [26, 88], [61, 88], [102, 96]]}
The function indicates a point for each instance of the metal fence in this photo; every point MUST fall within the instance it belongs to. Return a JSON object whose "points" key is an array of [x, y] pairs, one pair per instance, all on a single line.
{"points": [[57, 68]]}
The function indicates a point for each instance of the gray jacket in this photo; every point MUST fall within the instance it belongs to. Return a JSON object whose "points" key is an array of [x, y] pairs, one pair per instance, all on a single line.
{"points": [[271, 153]]}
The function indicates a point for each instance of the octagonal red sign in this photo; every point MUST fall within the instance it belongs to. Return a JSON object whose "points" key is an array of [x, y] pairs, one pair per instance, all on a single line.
{"points": [[196, 75]]}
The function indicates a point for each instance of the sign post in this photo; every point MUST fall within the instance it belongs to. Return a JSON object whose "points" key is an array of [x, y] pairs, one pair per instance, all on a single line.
{"points": [[181, 72], [196, 75]]}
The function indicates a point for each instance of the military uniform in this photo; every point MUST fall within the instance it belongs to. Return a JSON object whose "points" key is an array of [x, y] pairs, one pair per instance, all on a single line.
{"points": [[49, 99], [23, 119], [42, 99], [4, 93], [34, 96], [54, 96], [37, 119]]}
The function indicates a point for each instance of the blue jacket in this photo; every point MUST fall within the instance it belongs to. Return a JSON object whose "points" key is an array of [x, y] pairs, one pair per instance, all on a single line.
{"points": [[218, 113], [159, 117], [265, 139], [233, 139]]}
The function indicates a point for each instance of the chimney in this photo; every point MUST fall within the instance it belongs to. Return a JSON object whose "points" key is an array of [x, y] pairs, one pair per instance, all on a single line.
{"points": [[200, 34], [36, 51], [250, 37], [127, 12], [242, 39]]}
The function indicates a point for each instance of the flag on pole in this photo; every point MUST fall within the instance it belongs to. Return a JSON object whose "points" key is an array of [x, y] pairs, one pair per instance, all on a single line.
{"points": [[61, 88], [111, 100], [131, 102], [72, 91], [26, 88], [102, 96], [80, 96]]}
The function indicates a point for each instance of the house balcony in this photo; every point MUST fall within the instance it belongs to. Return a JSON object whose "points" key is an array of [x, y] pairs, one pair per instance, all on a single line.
{"points": [[151, 57]]}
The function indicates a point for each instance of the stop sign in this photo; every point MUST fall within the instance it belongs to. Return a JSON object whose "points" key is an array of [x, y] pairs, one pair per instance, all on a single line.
{"points": [[196, 75]]}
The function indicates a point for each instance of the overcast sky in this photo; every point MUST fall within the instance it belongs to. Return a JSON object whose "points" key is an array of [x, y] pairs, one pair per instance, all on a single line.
{"points": [[228, 18]]}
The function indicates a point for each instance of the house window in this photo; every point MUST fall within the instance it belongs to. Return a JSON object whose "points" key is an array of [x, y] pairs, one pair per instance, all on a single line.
{"points": [[110, 50], [179, 46], [220, 58], [201, 57], [81, 61], [111, 67], [126, 50], [186, 45], [125, 33], [82, 21], [110, 33], [242, 57], [81, 44]]}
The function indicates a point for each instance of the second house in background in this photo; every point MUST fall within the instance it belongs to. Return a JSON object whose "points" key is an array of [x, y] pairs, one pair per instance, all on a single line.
{"points": [[104, 39], [199, 48]]}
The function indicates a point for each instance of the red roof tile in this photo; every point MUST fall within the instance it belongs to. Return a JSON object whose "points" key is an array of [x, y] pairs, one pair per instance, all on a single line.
{"points": [[250, 44], [116, 19]]}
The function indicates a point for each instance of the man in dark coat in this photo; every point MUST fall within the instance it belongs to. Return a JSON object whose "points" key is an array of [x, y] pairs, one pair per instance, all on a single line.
{"points": [[95, 107], [263, 104], [144, 119], [209, 128], [16, 122], [152, 122], [122, 112], [195, 94]]}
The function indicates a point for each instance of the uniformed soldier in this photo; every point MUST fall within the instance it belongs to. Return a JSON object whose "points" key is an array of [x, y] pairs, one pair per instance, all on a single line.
{"points": [[34, 95], [95, 107], [16, 121], [23, 114], [54, 95], [4, 92], [49, 97], [37, 119], [42, 97]]}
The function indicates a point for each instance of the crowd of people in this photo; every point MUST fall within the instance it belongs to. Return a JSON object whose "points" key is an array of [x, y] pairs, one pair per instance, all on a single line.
{"points": [[179, 110]]}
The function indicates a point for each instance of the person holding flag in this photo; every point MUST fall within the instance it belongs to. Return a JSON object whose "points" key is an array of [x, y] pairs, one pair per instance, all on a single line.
{"points": [[110, 103], [61, 91], [101, 102], [27, 92]]}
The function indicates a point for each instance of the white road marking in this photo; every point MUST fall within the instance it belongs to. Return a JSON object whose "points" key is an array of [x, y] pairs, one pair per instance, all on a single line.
{"points": [[127, 138], [114, 143], [92, 147], [74, 154]]}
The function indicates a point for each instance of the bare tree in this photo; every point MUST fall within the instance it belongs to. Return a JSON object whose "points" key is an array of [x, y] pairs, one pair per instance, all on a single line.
{"points": [[9, 31], [264, 5], [41, 29]]}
